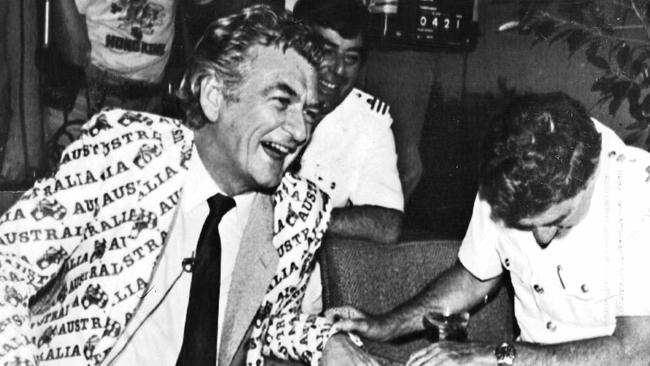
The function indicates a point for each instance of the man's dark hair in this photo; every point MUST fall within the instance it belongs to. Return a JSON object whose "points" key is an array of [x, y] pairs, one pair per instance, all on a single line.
{"points": [[540, 151], [348, 18], [223, 53]]}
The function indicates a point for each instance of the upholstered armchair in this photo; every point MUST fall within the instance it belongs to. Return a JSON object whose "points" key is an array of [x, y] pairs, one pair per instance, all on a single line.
{"points": [[376, 277]]}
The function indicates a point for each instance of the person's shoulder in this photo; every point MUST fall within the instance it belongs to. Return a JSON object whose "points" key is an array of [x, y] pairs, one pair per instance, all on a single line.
{"points": [[368, 104], [124, 120], [629, 166], [615, 149], [608, 136], [126, 117]]}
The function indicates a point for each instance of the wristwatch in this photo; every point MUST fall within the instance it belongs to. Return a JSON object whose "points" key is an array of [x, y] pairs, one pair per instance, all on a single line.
{"points": [[505, 354]]}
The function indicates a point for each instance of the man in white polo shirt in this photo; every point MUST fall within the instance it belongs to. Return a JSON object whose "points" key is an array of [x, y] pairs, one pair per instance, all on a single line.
{"points": [[352, 153], [564, 206]]}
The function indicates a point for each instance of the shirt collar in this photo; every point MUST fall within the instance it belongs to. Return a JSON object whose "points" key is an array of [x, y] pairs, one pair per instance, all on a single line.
{"points": [[200, 186]]}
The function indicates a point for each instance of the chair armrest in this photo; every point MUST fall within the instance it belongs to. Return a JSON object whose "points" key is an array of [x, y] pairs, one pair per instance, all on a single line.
{"points": [[377, 277]]}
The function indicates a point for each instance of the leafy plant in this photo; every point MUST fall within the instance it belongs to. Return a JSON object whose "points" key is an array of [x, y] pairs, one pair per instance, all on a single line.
{"points": [[615, 38]]}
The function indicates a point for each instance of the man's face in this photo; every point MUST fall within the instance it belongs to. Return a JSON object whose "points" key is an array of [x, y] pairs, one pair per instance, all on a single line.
{"points": [[260, 132], [339, 72], [559, 218]]}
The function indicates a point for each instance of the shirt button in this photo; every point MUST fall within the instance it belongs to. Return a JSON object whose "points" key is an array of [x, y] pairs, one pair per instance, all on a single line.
{"points": [[584, 288], [539, 289], [551, 326], [507, 262]]}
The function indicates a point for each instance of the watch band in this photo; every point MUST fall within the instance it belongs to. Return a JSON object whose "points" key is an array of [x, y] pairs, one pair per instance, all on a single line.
{"points": [[505, 354]]}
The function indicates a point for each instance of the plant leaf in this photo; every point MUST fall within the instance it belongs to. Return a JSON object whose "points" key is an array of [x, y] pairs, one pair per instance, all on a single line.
{"points": [[633, 94], [645, 106], [560, 35], [592, 49], [544, 28], [623, 56], [620, 88], [603, 83], [576, 40], [614, 49], [633, 137], [635, 68], [598, 61], [614, 105], [637, 124], [643, 55]]}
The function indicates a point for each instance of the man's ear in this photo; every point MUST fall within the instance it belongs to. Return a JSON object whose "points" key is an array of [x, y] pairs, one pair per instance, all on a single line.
{"points": [[211, 98]]}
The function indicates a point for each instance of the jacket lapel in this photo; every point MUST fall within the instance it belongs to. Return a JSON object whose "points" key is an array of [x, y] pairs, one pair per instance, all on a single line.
{"points": [[255, 265]]}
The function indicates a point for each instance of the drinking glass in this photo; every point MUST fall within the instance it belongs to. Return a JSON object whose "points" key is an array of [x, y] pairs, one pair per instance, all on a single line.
{"points": [[444, 325]]}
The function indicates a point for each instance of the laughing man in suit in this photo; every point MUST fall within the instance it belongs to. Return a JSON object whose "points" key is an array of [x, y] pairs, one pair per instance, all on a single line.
{"points": [[99, 261]]}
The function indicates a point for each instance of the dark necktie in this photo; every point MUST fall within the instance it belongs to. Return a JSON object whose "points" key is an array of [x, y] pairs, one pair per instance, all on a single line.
{"points": [[200, 336]]}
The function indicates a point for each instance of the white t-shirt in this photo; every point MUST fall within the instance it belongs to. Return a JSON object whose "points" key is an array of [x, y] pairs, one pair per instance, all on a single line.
{"points": [[159, 340], [130, 38], [352, 154], [576, 287]]}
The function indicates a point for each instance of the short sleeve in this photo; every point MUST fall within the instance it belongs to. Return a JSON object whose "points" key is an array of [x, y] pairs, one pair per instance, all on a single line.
{"points": [[478, 251], [635, 271], [378, 182], [631, 187]]}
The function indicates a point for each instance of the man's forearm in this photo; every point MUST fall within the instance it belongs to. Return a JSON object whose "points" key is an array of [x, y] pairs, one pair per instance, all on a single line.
{"points": [[629, 346], [456, 289], [367, 222], [597, 351], [605, 351]]}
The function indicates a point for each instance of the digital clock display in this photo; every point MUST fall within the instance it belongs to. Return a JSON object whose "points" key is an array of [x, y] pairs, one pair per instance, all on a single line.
{"points": [[432, 22], [425, 24], [444, 23]]}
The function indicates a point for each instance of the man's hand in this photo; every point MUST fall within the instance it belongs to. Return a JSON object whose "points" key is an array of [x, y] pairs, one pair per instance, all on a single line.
{"points": [[340, 350], [350, 319], [453, 354]]}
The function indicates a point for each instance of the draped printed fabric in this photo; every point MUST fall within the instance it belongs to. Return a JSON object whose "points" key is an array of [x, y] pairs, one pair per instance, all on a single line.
{"points": [[79, 249], [302, 212], [96, 227]]}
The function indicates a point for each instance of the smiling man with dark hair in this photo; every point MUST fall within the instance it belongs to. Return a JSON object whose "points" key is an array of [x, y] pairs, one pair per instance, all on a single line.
{"points": [[352, 154]]}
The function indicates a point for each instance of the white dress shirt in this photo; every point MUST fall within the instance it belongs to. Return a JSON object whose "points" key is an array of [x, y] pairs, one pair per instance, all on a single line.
{"points": [[159, 340]]}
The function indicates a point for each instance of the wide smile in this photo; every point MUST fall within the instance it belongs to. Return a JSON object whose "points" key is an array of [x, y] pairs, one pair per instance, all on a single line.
{"points": [[277, 151], [327, 87]]}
